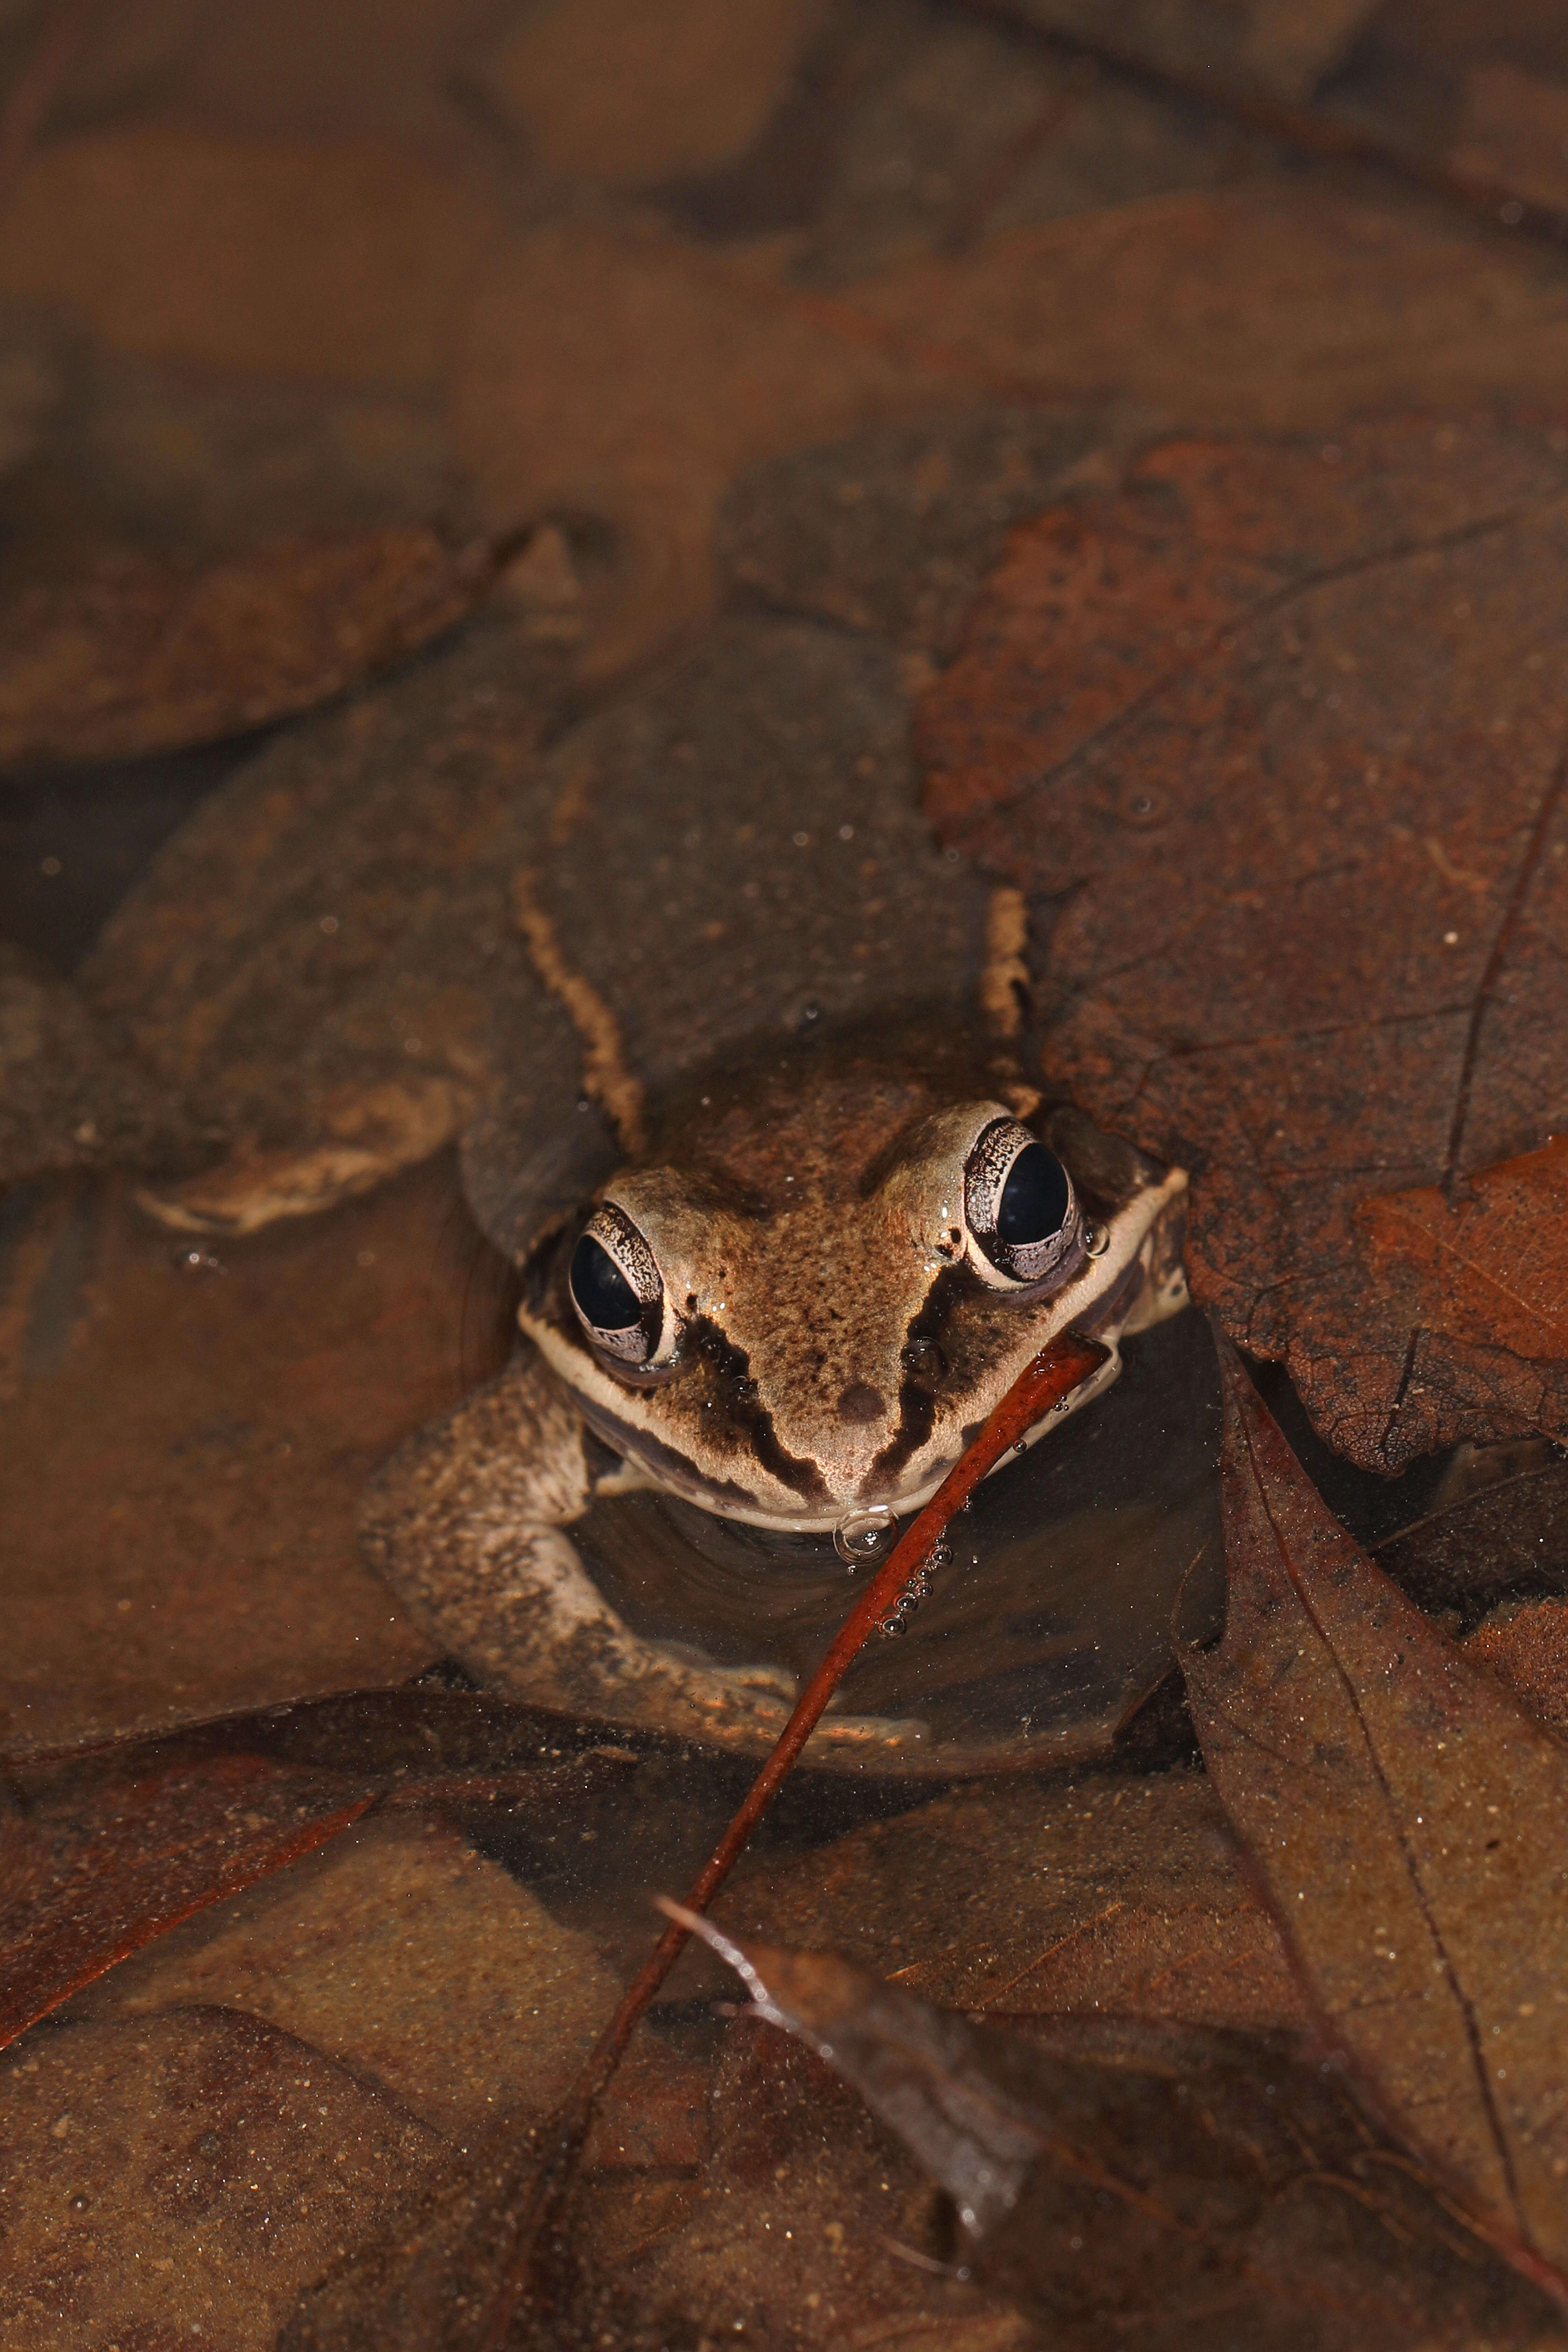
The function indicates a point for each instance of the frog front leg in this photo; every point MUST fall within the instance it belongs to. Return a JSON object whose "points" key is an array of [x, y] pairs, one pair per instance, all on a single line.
{"points": [[467, 1522]]}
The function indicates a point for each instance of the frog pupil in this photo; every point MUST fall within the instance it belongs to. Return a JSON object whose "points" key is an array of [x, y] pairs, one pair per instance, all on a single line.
{"points": [[1034, 1200], [605, 1299]]}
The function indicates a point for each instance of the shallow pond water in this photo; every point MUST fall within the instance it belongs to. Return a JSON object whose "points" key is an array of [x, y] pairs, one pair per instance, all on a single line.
{"points": [[1052, 1622], [712, 361]]}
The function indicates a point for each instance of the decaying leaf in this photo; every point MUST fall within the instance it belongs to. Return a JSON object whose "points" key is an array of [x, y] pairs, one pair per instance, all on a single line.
{"points": [[162, 2175], [144, 657], [1482, 1280], [893, 531], [1326, 684], [323, 960], [104, 1850], [482, 2003], [1284, 47], [187, 1433], [1276, 306], [618, 92], [342, 258], [1196, 2186], [1408, 1819], [1099, 1890], [99, 1873], [1506, 1542], [1527, 1645], [631, 380]]}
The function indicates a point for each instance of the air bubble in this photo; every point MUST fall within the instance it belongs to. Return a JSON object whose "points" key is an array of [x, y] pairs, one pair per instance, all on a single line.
{"points": [[868, 1534], [897, 1619]]}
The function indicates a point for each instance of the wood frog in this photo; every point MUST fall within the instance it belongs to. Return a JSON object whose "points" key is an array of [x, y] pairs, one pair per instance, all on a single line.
{"points": [[793, 1307]]}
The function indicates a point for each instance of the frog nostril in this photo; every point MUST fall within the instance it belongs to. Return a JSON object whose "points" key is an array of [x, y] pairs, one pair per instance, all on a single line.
{"points": [[860, 1402]]}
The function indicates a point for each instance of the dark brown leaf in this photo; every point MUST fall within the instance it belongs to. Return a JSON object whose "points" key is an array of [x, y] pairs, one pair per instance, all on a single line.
{"points": [[1200, 2187], [165, 2174], [107, 1847], [1527, 1645], [186, 1439], [99, 1873], [1465, 101], [70, 1096], [1482, 1281], [1283, 48], [141, 656], [1277, 305], [1325, 684], [324, 960], [1506, 1541], [893, 530], [1409, 1821], [1094, 1890], [328, 257]]}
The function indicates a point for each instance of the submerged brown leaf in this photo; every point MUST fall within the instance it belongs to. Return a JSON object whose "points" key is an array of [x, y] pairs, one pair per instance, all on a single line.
{"points": [[199, 2162], [142, 656], [1503, 1542], [106, 1847], [1527, 1646], [1409, 1820], [1197, 2186], [1324, 684], [95, 1872], [1483, 1281]]}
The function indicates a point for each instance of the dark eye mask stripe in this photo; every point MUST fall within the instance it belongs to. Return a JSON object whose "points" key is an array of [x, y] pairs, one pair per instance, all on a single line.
{"points": [[732, 1366], [917, 1402]]}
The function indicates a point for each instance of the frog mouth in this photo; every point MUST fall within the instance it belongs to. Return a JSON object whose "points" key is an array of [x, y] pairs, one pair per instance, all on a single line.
{"points": [[1137, 1283]]}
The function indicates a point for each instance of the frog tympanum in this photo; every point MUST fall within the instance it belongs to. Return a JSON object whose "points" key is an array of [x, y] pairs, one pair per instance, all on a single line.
{"points": [[796, 1305]]}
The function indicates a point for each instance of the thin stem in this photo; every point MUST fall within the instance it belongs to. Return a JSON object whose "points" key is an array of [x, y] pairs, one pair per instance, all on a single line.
{"points": [[1047, 1382]]}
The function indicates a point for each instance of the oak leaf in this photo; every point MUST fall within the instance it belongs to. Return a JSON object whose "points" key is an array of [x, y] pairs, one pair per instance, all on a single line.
{"points": [[1408, 1822], [1482, 1282], [1324, 684], [112, 1845]]}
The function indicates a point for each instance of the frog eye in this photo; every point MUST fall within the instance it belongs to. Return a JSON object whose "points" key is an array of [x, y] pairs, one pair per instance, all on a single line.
{"points": [[616, 1287], [1019, 1202]]}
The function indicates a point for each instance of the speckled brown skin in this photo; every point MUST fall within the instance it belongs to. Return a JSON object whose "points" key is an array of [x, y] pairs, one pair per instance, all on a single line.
{"points": [[808, 1223], [466, 1520]]}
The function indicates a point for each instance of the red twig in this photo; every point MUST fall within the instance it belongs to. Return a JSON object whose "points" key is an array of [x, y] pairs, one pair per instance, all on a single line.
{"points": [[1049, 1380]]}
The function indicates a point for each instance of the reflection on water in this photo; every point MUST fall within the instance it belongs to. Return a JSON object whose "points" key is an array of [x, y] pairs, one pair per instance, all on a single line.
{"points": [[1053, 1620]]}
